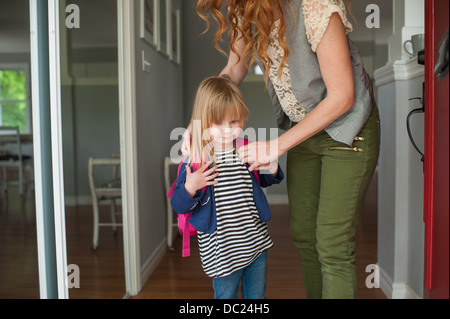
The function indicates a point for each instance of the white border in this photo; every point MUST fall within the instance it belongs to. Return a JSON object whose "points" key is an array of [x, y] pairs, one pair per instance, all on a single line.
{"points": [[40, 227], [143, 33], [163, 47], [128, 145], [57, 148], [174, 56]]}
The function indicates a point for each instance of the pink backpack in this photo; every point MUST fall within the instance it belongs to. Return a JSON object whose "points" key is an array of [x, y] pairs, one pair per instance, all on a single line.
{"points": [[185, 228]]}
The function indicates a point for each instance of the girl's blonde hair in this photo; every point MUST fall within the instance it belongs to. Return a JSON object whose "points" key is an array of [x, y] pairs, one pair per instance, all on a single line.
{"points": [[216, 98], [253, 20]]}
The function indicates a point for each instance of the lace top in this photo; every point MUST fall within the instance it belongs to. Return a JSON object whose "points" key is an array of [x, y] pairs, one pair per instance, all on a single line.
{"points": [[283, 85], [317, 15]]}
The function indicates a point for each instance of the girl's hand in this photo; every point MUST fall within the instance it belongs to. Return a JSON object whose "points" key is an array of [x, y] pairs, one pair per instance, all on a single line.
{"points": [[200, 178], [260, 155]]}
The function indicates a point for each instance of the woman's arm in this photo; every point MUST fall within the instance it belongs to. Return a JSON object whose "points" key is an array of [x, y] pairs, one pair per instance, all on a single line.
{"points": [[236, 68], [335, 65]]}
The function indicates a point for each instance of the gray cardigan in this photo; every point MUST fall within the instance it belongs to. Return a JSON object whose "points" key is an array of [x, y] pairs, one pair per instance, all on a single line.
{"points": [[309, 87]]}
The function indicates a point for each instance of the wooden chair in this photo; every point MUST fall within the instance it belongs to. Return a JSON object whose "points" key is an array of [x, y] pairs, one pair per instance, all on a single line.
{"points": [[11, 155], [110, 190]]}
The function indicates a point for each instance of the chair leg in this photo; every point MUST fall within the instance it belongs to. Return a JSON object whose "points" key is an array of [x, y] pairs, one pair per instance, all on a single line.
{"points": [[96, 224], [113, 215], [21, 180], [5, 179]]}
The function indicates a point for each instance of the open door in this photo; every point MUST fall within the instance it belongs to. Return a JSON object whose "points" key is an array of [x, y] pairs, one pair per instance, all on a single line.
{"points": [[48, 147], [436, 200]]}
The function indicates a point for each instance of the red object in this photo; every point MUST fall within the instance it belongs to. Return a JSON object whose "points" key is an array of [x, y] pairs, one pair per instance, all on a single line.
{"points": [[436, 169]]}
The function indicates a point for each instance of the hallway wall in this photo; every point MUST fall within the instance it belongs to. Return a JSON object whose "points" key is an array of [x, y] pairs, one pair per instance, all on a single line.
{"points": [[400, 196], [159, 109]]}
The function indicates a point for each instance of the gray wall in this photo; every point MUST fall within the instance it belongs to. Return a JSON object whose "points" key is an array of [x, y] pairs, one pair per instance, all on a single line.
{"points": [[401, 180], [90, 129], [89, 96], [262, 116], [386, 178], [400, 193], [159, 109]]}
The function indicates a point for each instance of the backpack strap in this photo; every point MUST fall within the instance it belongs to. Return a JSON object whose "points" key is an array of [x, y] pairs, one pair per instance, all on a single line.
{"points": [[170, 193], [186, 250], [185, 227]]}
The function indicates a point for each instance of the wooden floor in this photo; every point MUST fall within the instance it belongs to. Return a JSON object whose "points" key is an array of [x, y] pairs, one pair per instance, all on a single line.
{"points": [[102, 271]]}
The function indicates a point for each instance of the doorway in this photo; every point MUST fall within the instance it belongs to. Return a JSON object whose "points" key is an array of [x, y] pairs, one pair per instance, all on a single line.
{"points": [[85, 122], [90, 129]]}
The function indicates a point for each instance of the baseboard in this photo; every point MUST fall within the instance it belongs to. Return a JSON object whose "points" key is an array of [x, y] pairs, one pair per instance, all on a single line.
{"points": [[396, 290], [85, 200], [272, 199], [401, 290], [153, 261], [385, 283]]}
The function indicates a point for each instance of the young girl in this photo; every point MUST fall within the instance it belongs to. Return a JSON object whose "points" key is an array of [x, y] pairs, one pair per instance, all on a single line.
{"points": [[228, 205]]}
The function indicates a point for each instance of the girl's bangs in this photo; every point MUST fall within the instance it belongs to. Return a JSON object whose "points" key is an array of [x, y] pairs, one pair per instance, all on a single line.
{"points": [[229, 110]]}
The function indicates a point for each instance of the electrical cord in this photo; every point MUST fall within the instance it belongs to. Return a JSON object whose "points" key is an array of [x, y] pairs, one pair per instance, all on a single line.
{"points": [[411, 138]]}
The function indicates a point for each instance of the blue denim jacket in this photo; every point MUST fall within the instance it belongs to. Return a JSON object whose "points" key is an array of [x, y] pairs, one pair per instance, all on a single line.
{"points": [[203, 205]]}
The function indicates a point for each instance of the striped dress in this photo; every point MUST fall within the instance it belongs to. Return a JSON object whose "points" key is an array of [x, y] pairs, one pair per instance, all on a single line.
{"points": [[240, 236]]}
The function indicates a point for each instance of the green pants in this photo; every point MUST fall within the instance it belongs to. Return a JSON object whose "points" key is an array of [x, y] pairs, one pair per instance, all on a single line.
{"points": [[327, 183]]}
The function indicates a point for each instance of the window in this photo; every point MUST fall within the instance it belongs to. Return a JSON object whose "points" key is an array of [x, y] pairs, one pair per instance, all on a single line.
{"points": [[14, 98], [255, 74]]}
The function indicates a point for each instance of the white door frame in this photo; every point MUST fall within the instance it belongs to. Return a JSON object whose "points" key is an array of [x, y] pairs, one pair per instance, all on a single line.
{"points": [[45, 244], [38, 179], [127, 113], [44, 229], [128, 144], [57, 148]]}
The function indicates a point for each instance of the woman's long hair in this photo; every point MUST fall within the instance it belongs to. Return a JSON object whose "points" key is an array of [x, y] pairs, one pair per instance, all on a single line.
{"points": [[252, 20]]}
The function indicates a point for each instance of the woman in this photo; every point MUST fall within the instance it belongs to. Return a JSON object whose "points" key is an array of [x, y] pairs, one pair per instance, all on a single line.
{"points": [[323, 97]]}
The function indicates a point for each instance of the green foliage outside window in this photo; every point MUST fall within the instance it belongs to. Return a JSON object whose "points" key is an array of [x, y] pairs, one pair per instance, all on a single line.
{"points": [[13, 99]]}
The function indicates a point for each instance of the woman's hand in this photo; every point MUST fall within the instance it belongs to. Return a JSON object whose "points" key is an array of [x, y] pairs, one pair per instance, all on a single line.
{"points": [[260, 155], [200, 178], [271, 168]]}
